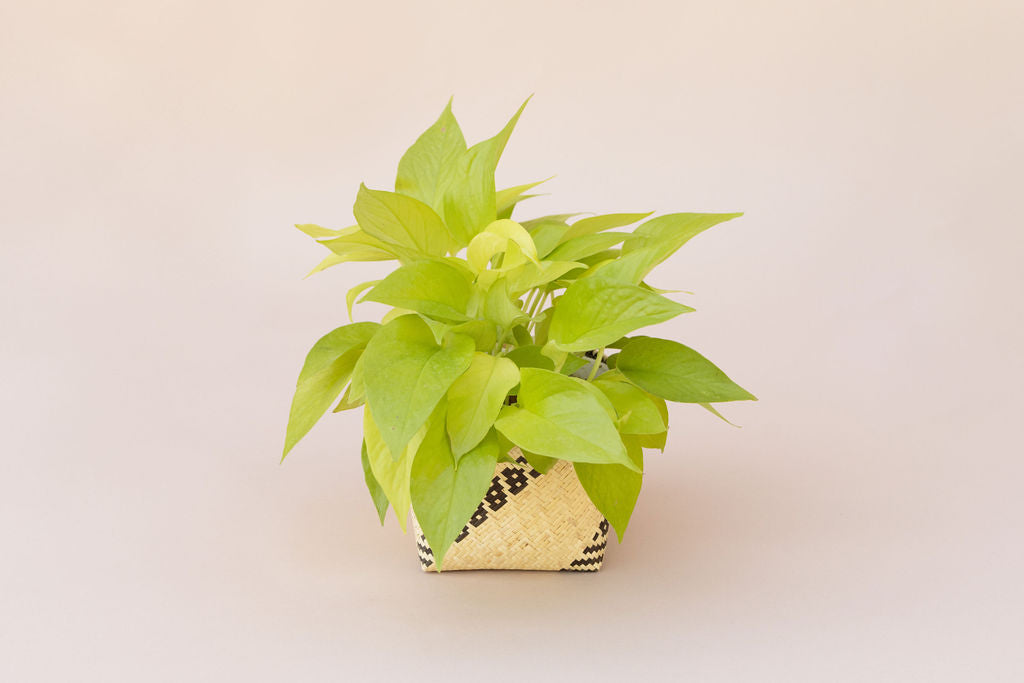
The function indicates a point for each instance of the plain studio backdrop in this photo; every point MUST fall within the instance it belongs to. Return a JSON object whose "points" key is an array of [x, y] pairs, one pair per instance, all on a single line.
{"points": [[864, 524]]}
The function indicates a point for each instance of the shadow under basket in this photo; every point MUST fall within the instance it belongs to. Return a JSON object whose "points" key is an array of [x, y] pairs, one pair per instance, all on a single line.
{"points": [[527, 520]]}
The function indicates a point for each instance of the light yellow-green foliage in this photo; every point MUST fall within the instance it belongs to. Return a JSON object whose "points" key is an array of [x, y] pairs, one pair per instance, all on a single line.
{"points": [[501, 332]]}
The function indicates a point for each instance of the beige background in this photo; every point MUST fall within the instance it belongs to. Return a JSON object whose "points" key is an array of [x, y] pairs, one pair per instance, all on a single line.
{"points": [[865, 524]]}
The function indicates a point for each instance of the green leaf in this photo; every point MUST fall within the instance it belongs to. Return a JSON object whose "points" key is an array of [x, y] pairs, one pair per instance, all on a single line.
{"points": [[327, 262], [534, 223], [392, 473], [353, 294], [613, 489], [541, 463], [547, 233], [500, 308], [637, 410], [506, 200], [573, 363], [423, 165], [498, 238], [434, 288], [529, 356], [522, 336], [476, 397], [353, 244], [594, 313], [380, 499], [355, 394], [559, 417], [407, 373], [532, 275], [470, 202], [483, 333], [324, 374], [319, 232], [657, 441], [711, 409], [579, 248], [594, 224], [440, 329], [402, 221], [676, 372], [666, 234], [445, 497]]}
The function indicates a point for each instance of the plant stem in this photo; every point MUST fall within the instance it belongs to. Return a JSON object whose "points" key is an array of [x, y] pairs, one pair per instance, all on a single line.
{"points": [[560, 365], [532, 301], [538, 306], [596, 365]]}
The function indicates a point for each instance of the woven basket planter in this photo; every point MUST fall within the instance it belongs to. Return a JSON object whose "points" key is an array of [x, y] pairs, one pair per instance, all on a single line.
{"points": [[527, 520]]}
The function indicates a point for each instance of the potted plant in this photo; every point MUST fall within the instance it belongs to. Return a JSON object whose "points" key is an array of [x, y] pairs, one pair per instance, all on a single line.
{"points": [[507, 395]]}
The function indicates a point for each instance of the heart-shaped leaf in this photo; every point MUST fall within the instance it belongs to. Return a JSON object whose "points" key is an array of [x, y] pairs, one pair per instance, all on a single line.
{"points": [[593, 313], [324, 374], [558, 417], [407, 372], [476, 397], [434, 288], [444, 496], [676, 372]]}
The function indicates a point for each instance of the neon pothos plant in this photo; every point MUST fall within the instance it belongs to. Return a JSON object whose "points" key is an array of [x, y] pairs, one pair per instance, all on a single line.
{"points": [[490, 320]]}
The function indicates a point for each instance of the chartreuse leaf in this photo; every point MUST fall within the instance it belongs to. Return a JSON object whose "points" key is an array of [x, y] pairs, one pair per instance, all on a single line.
{"points": [[532, 275], [593, 313], [434, 288], [558, 417], [541, 463], [711, 409], [573, 363], [500, 308], [482, 332], [529, 356], [580, 248], [440, 329], [666, 234], [444, 496], [506, 200], [469, 195], [637, 410], [482, 248], [676, 372], [421, 167], [324, 374], [547, 233], [392, 473], [534, 223], [593, 224], [327, 262], [353, 294], [521, 335], [650, 440], [319, 232], [500, 237], [380, 499], [406, 373], [355, 394], [614, 489], [400, 220], [476, 397], [354, 244]]}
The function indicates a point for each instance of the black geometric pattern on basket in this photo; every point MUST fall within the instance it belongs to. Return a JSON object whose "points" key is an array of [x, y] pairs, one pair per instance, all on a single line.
{"points": [[515, 480], [593, 555], [511, 481]]}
